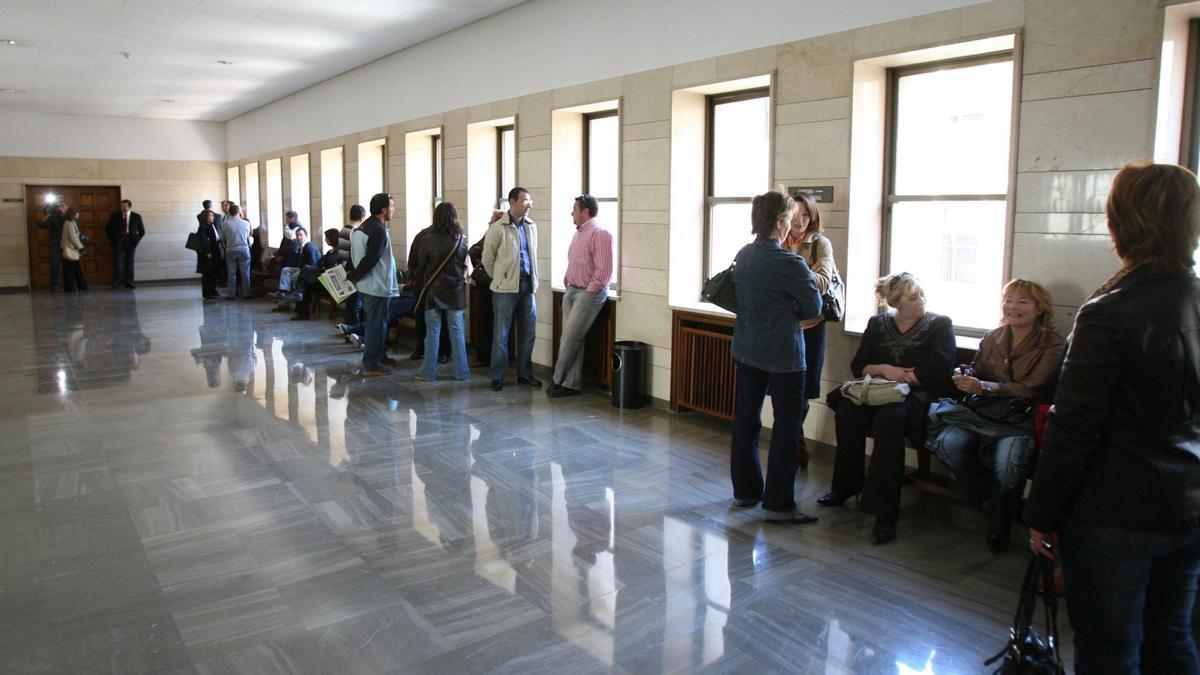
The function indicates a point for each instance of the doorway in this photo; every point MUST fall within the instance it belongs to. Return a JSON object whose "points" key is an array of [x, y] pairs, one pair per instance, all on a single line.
{"points": [[95, 203]]}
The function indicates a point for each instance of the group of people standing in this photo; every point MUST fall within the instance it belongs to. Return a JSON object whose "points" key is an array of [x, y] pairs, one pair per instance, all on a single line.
{"points": [[1115, 496], [124, 231]]}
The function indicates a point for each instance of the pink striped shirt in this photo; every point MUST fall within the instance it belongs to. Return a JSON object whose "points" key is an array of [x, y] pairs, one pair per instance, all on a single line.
{"points": [[589, 259]]}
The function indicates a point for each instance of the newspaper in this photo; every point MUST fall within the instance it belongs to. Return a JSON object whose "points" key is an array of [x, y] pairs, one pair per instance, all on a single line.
{"points": [[335, 282]]}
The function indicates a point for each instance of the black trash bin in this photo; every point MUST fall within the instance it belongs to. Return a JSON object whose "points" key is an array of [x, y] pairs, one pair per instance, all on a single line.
{"points": [[629, 374]]}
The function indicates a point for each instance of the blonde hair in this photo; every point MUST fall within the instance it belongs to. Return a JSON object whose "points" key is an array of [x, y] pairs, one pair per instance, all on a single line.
{"points": [[1039, 294], [893, 288], [1154, 215]]}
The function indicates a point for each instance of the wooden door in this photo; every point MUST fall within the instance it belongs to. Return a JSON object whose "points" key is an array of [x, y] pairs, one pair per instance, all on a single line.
{"points": [[95, 204]]}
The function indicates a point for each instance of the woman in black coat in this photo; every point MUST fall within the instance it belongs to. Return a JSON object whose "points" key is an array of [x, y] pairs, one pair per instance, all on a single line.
{"points": [[1116, 493], [210, 259]]}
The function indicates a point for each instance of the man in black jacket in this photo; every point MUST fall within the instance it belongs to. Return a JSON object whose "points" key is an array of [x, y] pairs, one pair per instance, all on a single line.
{"points": [[57, 215], [124, 230]]}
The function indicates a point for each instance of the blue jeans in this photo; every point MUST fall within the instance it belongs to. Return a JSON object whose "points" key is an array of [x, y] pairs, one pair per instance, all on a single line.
{"points": [[579, 310], [238, 261], [375, 331], [458, 343], [814, 360], [352, 312], [990, 469], [509, 308], [1130, 596], [787, 400]]}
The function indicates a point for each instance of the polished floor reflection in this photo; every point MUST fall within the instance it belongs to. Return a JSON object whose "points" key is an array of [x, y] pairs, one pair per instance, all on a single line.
{"points": [[190, 487]]}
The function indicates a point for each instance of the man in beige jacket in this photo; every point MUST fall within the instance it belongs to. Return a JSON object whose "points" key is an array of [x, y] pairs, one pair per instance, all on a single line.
{"points": [[510, 258]]}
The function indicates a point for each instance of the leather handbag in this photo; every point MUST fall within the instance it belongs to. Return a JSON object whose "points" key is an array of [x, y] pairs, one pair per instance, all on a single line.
{"points": [[875, 391], [1001, 409], [1027, 651], [833, 300], [420, 303], [719, 290], [193, 242]]}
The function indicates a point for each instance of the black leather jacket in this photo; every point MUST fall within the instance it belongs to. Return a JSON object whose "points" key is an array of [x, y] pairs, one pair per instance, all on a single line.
{"points": [[1122, 448]]}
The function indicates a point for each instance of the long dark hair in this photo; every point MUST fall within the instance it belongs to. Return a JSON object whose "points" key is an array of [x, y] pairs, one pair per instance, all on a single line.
{"points": [[445, 220]]}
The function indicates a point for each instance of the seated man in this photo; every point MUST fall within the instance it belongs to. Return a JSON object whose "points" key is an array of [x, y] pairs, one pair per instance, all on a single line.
{"points": [[303, 253], [309, 283]]}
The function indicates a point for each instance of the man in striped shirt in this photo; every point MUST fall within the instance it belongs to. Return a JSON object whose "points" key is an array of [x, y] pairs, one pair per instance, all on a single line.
{"points": [[589, 269]]}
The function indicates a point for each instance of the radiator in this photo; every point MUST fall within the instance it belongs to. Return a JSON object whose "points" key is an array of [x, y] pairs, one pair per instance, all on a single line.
{"points": [[703, 377]]}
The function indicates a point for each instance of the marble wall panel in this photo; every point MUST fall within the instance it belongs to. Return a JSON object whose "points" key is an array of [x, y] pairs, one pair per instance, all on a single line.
{"points": [[1063, 34], [1109, 78], [1085, 132]]}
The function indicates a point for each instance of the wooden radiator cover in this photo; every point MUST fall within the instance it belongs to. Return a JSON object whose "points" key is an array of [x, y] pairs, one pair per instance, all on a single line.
{"points": [[703, 376]]}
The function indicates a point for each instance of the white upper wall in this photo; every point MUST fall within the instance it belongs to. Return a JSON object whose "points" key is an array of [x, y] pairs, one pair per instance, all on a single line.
{"points": [[53, 135], [541, 45]]}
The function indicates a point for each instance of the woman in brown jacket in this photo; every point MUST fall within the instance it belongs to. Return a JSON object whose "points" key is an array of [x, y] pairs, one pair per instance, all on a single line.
{"points": [[1018, 360]]}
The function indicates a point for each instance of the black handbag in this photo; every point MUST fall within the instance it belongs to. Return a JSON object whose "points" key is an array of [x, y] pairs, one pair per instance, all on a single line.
{"points": [[1027, 651], [1012, 410], [193, 242], [833, 301], [719, 290]]}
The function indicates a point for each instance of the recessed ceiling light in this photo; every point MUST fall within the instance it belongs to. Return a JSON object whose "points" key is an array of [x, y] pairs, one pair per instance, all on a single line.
{"points": [[168, 100], [13, 91], [225, 62], [9, 43]]}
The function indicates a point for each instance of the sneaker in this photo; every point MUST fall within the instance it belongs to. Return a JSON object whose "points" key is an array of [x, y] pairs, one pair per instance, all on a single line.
{"points": [[341, 330], [417, 377], [531, 381], [356, 341]]}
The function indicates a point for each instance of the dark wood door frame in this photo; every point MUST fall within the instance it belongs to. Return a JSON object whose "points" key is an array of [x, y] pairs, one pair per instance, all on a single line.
{"points": [[95, 203]]}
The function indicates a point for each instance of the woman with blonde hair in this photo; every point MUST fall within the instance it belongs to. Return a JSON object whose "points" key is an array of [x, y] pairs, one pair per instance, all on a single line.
{"points": [[988, 442], [1116, 494], [904, 344], [807, 241]]}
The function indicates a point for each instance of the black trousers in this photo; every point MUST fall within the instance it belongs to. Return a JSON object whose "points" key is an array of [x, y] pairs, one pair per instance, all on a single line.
{"points": [[73, 276], [123, 252], [211, 276], [881, 483]]}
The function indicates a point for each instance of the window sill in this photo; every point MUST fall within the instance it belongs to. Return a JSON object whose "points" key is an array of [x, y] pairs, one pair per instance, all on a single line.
{"points": [[701, 307]]}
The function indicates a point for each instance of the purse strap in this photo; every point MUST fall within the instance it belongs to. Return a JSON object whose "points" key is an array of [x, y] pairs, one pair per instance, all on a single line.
{"points": [[1039, 569], [433, 277]]}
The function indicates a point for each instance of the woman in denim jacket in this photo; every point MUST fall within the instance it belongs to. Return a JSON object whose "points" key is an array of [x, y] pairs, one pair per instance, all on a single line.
{"points": [[775, 293]]}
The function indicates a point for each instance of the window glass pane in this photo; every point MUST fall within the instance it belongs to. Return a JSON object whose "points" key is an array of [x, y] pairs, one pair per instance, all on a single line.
{"points": [[233, 186], [437, 170], [729, 231], [952, 130], [955, 248], [252, 208], [602, 157], [609, 210], [274, 214], [740, 148], [508, 162]]}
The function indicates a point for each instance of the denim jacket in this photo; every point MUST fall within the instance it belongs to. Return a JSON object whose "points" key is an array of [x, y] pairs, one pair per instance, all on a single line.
{"points": [[775, 291]]}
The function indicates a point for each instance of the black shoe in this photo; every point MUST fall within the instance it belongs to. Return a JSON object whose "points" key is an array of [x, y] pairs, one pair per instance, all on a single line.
{"points": [[558, 391], [997, 542], [388, 361], [300, 317], [531, 381], [130, 286], [833, 499], [882, 533], [416, 356], [443, 359], [497, 385]]}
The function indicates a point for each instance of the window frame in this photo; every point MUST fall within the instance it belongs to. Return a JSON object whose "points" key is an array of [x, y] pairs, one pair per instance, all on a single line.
{"points": [[890, 138], [711, 102], [1189, 137], [614, 202], [435, 154], [501, 195]]}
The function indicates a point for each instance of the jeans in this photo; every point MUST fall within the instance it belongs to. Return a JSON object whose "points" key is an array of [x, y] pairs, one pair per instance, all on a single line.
{"points": [[787, 400], [352, 311], [398, 306], [1130, 597], [287, 277], [814, 360], [375, 331], [123, 262], [458, 343], [990, 469], [880, 487], [579, 310], [55, 261], [237, 261], [509, 308]]}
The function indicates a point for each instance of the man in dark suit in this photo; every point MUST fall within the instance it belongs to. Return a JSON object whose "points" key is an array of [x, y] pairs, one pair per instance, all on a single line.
{"points": [[124, 230]]}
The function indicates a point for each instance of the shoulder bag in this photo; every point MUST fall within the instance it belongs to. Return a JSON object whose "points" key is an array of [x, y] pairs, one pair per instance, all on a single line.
{"points": [[833, 300], [875, 391], [1026, 651], [420, 303], [719, 290], [193, 242]]}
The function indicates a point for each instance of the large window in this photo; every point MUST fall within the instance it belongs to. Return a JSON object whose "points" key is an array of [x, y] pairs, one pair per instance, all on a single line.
{"points": [[252, 208], [274, 214], [435, 182], [946, 209], [301, 197], [739, 161], [506, 163], [333, 193], [601, 164], [233, 185], [372, 158]]}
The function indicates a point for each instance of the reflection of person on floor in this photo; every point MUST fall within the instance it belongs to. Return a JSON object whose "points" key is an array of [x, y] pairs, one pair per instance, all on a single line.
{"points": [[242, 357], [212, 349], [443, 468], [587, 510], [512, 511]]}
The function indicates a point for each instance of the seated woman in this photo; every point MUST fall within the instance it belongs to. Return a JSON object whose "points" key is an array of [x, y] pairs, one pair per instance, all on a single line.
{"points": [[909, 345], [1018, 361]]}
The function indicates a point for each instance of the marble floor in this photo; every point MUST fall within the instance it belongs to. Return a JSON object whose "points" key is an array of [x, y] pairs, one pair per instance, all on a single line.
{"points": [[192, 487]]}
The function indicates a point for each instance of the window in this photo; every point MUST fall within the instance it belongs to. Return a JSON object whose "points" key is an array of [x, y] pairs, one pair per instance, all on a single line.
{"points": [[273, 217], [947, 177], [422, 180], [436, 170], [506, 163], [333, 192], [252, 208], [738, 166], [233, 187], [371, 176], [301, 198], [601, 164]]}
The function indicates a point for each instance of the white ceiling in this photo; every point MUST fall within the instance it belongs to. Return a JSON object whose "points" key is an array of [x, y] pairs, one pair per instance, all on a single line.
{"points": [[69, 57]]}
